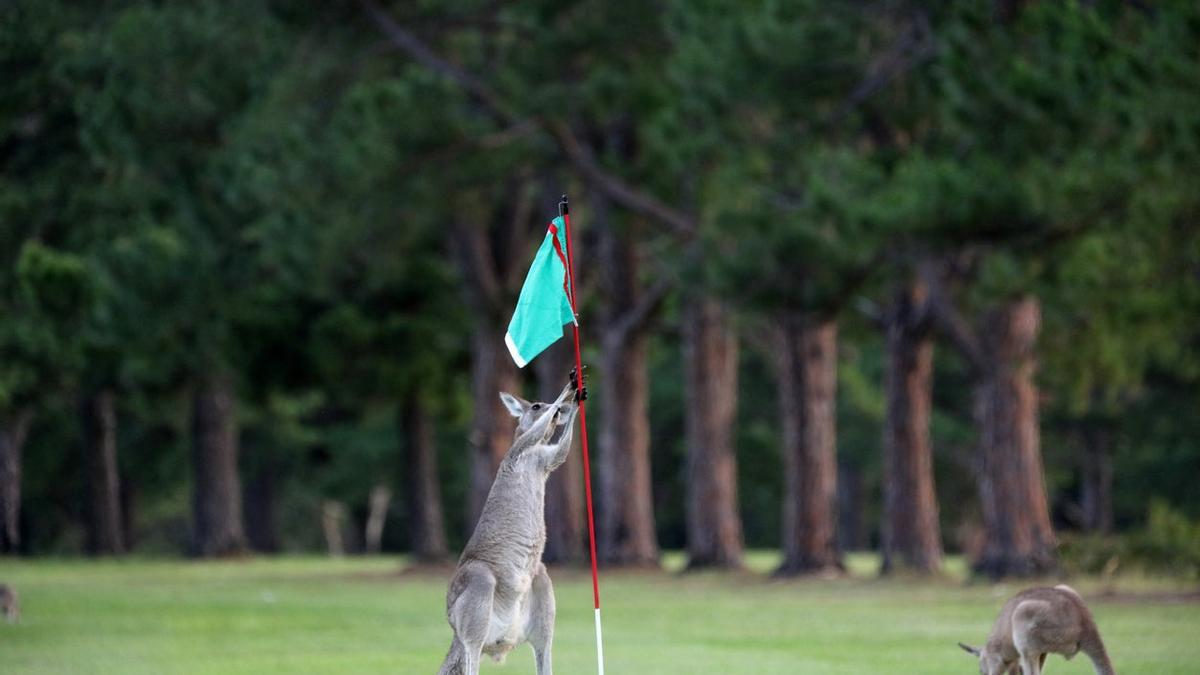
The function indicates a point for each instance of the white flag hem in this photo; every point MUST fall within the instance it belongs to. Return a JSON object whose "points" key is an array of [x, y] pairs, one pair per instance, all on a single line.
{"points": [[512, 349]]}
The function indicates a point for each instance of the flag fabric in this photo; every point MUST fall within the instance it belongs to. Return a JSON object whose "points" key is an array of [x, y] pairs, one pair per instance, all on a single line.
{"points": [[544, 306]]}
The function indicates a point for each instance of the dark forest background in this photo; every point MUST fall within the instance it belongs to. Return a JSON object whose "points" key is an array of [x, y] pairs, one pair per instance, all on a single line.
{"points": [[914, 277]]}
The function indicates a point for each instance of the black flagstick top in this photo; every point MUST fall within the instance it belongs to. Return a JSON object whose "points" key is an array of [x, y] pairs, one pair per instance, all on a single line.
{"points": [[563, 207]]}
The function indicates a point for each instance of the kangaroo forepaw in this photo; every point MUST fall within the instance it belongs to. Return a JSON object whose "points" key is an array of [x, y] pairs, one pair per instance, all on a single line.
{"points": [[580, 388]]}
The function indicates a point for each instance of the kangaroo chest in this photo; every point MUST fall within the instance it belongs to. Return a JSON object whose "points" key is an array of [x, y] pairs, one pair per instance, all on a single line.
{"points": [[511, 532]]}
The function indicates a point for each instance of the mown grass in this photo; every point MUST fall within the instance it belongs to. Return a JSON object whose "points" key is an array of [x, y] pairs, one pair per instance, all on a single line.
{"points": [[310, 615]]}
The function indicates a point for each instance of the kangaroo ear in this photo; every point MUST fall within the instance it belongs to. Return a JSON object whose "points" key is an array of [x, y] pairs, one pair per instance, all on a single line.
{"points": [[515, 404], [970, 650]]}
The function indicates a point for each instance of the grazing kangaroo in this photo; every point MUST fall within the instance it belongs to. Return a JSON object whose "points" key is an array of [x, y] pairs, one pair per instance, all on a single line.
{"points": [[10, 605], [500, 595], [1037, 622]]}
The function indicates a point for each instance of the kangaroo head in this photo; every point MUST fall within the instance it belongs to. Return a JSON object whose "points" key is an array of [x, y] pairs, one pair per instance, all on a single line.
{"points": [[528, 414]]}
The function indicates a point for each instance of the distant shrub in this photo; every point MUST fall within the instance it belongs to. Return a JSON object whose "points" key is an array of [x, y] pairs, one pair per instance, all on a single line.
{"points": [[1170, 541], [1168, 544], [1091, 553]]}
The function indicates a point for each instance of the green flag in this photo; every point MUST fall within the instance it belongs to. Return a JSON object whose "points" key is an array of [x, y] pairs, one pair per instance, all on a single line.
{"points": [[544, 306]]}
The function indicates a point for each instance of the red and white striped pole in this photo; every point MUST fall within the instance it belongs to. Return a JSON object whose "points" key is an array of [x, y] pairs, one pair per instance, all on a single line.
{"points": [[565, 211]]}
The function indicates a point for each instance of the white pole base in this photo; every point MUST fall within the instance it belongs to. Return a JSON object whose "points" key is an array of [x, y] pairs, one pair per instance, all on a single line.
{"points": [[599, 643]]}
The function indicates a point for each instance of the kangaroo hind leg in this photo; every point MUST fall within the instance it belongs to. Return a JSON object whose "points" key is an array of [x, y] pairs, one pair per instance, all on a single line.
{"points": [[540, 631], [471, 612]]}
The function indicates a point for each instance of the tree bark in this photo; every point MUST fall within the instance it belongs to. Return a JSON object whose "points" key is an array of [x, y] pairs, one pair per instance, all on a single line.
{"points": [[714, 528], [14, 428], [259, 502], [216, 486], [422, 494], [334, 515], [626, 525], [911, 535], [851, 530], [99, 422], [807, 373], [565, 525], [492, 371], [377, 511], [1096, 490], [1019, 539], [129, 506]]}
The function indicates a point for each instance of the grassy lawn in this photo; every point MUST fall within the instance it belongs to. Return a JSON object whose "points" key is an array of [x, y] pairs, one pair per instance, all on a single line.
{"points": [[310, 615]]}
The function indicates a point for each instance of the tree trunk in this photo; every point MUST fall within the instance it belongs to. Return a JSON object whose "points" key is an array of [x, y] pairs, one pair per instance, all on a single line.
{"points": [[911, 536], [422, 494], [14, 427], [259, 501], [851, 530], [333, 518], [377, 511], [1096, 490], [565, 525], [626, 525], [714, 528], [99, 421], [1019, 540], [492, 371], [129, 506], [216, 487], [808, 414], [627, 530]]}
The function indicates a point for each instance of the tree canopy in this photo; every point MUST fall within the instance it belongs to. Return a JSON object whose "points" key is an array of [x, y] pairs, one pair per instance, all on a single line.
{"points": [[279, 193]]}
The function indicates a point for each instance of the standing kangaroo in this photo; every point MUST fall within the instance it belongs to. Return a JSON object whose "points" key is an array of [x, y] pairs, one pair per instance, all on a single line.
{"points": [[1037, 622], [500, 595]]}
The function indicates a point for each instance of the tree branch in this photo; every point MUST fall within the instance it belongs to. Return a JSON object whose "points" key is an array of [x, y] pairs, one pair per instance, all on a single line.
{"points": [[874, 315], [921, 320], [616, 188], [519, 232], [453, 152], [768, 337], [634, 320], [953, 326], [850, 282], [478, 270], [410, 44], [911, 49]]}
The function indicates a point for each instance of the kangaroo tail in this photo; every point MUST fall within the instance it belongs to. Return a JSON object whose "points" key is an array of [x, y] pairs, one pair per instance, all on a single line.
{"points": [[453, 665], [1094, 648]]}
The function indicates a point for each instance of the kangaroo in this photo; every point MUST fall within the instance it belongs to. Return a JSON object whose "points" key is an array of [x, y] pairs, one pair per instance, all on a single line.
{"points": [[500, 595], [1037, 622], [10, 605]]}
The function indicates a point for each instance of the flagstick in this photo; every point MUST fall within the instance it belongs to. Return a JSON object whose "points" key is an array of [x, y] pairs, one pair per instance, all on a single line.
{"points": [[564, 211]]}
